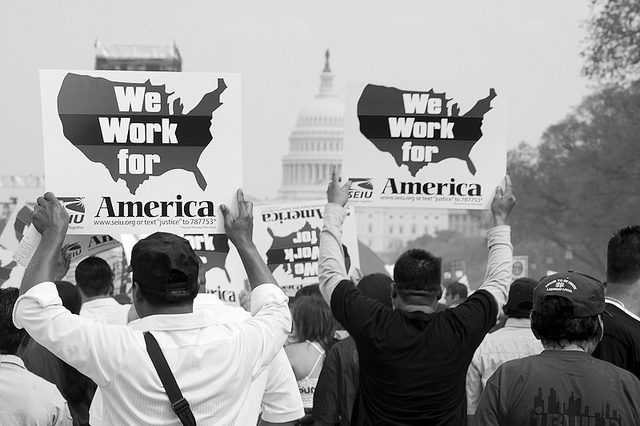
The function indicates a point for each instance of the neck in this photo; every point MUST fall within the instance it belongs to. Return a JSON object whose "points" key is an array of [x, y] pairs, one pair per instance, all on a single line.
{"points": [[88, 299], [627, 294], [148, 310], [417, 308], [400, 304], [587, 347]]}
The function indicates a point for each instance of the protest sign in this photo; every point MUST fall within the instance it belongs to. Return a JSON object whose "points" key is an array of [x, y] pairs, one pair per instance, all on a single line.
{"points": [[288, 237], [137, 152], [519, 267], [422, 145]]}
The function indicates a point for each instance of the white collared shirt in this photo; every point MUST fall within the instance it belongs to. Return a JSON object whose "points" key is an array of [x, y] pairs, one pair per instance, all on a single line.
{"points": [[514, 340], [106, 310], [274, 393], [213, 363], [27, 399]]}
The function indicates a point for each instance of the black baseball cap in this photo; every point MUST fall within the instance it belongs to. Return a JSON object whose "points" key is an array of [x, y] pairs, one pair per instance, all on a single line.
{"points": [[520, 299], [156, 259]]}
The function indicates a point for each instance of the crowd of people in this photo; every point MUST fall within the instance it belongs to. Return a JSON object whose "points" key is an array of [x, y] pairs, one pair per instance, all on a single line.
{"points": [[385, 350]]}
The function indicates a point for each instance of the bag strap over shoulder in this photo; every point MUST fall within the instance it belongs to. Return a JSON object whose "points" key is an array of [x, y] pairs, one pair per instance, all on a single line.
{"points": [[178, 403]]}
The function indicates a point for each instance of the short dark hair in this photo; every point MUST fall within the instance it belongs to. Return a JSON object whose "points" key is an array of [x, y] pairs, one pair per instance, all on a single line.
{"points": [[457, 289], [556, 323], [94, 276], [174, 297], [10, 336], [417, 270], [623, 256], [313, 321], [70, 296]]}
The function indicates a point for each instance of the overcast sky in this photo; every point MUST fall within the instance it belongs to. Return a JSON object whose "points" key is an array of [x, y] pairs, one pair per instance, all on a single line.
{"points": [[530, 47]]}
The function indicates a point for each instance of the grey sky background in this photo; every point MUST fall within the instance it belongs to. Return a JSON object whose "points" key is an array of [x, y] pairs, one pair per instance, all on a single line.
{"points": [[278, 47]]}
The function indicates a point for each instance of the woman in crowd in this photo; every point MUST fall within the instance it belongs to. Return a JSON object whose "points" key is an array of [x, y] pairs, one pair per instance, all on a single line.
{"points": [[313, 329]]}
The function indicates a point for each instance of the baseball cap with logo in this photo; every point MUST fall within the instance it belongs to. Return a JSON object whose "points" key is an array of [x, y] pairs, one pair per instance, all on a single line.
{"points": [[164, 262], [585, 293]]}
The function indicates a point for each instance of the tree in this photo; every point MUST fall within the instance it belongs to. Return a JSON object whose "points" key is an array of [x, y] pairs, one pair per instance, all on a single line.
{"points": [[583, 181], [613, 51]]}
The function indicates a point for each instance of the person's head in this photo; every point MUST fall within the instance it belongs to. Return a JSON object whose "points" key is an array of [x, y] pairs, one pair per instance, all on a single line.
{"points": [[455, 293], [312, 320], [623, 256], [70, 296], [567, 310], [520, 299], [416, 276], [94, 277], [165, 273], [377, 286], [10, 337]]}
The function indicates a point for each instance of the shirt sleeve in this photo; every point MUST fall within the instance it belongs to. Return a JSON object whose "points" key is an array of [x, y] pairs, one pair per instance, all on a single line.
{"points": [[331, 266], [498, 276], [96, 350], [281, 401], [269, 326], [473, 385], [360, 315], [489, 412], [326, 404]]}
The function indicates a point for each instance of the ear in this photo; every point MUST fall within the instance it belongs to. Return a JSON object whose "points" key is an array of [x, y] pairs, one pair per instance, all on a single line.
{"points": [[136, 294]]}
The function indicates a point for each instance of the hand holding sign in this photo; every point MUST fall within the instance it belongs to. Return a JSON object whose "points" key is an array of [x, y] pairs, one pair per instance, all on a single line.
{"points": [[239, 229], [337, 193], [503, 202], [50, 216]]}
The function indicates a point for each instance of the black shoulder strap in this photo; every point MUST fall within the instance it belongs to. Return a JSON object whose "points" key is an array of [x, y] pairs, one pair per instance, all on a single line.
{"points": [[178, 403]]}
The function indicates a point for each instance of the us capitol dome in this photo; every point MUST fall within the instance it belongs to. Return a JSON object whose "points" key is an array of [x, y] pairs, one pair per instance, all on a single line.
{"points": [[315, 144]]}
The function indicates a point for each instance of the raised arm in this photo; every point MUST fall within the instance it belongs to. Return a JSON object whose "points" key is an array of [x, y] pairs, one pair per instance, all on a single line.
{"points": [[51, 220], [331, 266], [498, 276], [240, 231]]}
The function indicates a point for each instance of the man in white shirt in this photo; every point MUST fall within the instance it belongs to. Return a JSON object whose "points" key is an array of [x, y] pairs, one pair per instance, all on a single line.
{"points": [[274, 397], [514, 340], [25, 399], [213, 363], [94, 278]]}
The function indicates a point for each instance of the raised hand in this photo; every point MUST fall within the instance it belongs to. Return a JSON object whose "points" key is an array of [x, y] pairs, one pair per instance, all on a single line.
{"points": [[239, 229], [503, 202], [336, 192]]}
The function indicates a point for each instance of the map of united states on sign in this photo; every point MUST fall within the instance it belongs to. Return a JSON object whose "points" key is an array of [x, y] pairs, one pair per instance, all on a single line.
{"points": [[418, 128], [133, 129]]}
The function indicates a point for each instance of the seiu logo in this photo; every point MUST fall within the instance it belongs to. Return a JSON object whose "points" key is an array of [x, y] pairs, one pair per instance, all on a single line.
{"points": [[361, 188], [74, 207]]}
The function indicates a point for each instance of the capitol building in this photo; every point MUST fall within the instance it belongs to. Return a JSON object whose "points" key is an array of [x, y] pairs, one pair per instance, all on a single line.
{"points": [[315, 147]]}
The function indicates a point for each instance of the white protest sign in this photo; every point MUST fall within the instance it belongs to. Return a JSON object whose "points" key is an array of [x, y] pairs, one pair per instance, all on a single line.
{"points": [[425, 145], [288, 237], [137, 152]]}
